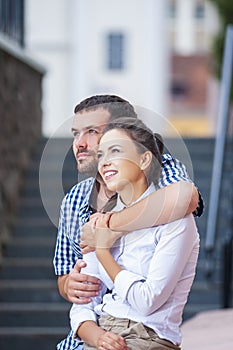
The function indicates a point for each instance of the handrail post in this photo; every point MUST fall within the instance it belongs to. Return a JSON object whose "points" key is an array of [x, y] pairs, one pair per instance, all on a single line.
{"points": [[227, 271], [219, 146]]}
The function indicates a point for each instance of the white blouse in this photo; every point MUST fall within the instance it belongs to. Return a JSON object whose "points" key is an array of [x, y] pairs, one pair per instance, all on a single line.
{"points": [[159, 266]]}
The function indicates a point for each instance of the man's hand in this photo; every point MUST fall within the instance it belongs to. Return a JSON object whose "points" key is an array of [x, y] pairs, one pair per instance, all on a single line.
{"points": [[78, 288], [95, 233]]}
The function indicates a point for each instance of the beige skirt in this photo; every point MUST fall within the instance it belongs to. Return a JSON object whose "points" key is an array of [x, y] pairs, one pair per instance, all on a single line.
{"points": [[136, 335]]}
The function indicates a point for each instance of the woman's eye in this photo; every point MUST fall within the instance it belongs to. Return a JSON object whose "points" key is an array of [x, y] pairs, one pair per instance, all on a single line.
{"points": [[99, 155], [115, 150]]}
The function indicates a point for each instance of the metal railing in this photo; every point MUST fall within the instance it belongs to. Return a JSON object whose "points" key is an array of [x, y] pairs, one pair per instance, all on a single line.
{"points": [[12, 19], [222, 155]]}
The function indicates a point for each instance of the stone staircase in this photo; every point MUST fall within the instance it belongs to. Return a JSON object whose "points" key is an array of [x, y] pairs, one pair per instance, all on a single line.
{"points": [[32, 314]]}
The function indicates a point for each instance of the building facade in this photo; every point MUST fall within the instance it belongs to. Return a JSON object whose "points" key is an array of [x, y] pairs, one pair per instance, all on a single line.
{"points": [[193, 103], [91, 47], [155, 53]]}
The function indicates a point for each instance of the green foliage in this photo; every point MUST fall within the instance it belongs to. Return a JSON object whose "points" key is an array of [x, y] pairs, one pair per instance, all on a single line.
{"points": [[218, 49], [225, 11]]}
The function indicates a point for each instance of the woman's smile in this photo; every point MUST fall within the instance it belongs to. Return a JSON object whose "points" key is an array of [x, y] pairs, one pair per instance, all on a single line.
{"points": [[108, 174]]}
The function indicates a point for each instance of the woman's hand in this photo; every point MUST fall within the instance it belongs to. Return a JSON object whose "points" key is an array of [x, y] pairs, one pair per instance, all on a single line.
{"points": [[110, 340], [100, 339], [95, 233]]}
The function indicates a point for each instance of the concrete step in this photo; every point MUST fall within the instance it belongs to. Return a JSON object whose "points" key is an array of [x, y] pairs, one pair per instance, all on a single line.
{"points": [[37, 226], [209, 330], [201, 273], [34, 314], [70, 175], [191, 310], [34, 202], [30, 247], [37, 231], [30, 291], [27, 338], [200, 293], [28, 288], [27, 268]]}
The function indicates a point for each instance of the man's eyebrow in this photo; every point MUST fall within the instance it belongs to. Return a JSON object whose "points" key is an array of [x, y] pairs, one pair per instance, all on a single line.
{"points": [[88, 127], [73, 129]]}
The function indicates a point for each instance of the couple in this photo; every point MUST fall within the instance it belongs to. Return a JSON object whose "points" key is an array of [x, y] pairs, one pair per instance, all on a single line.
{"points": [[147, 296]]}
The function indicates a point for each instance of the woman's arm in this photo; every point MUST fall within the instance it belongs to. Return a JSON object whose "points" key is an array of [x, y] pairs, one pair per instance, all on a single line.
{"points": [[99, 338], [173, 251], [167, 204], [110, 265], [176, 198], [89, 332], [80, 313], [83, 317], [174, 261]]}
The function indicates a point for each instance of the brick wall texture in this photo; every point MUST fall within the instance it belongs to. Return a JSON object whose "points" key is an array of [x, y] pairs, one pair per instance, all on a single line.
{"points": [[20, 129]]}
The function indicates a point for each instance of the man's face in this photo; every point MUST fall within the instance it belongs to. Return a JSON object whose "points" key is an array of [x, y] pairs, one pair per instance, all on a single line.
{"points": [[87, 130]]}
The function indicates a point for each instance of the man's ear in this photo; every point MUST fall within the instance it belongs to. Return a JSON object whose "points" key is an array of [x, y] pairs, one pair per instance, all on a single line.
{"points": [[145, 161]]}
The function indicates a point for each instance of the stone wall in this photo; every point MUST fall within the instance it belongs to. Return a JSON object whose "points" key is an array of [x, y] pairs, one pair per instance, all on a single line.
{"points": [[20, 125]]}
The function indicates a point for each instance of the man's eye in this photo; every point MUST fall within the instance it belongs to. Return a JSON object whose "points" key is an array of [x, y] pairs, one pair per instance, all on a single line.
{"points": [[76, 134], [92, 131]]}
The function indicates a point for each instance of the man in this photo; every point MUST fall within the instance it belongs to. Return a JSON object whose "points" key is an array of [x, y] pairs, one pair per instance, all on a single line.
{"points": [[175, 200]]}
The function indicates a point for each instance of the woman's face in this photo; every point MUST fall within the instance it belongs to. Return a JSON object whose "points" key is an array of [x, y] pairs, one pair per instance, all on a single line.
{"points": [[120, 165]]}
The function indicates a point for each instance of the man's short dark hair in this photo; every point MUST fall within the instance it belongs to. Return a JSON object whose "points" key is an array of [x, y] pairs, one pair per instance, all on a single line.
{"points": [[115, 105]]}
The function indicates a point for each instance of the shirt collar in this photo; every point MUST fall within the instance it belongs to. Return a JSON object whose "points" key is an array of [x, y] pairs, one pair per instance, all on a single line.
{"points": [[120, 205], [86, 209]]}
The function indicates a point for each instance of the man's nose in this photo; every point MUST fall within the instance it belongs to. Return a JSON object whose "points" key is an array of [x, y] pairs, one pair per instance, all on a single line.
{"points": [[80, 141]]}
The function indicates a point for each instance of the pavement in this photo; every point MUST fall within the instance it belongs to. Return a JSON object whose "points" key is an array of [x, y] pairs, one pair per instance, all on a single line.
{"points": [[210, 330]]}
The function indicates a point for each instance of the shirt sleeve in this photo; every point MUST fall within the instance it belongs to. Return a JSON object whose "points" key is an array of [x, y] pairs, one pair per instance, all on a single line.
{"points": [[86, 312], [174, 171], [173, 252], [64, 257]]}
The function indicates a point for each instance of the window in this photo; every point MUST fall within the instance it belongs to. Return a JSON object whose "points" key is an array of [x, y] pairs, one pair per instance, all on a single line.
{"points": [[12, 19], [199, 10], [172, 9], [115, 51], [179, 89]]}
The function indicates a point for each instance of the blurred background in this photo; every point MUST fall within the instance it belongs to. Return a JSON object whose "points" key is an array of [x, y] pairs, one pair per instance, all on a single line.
{"points": [[164, 56], [157, 54]]}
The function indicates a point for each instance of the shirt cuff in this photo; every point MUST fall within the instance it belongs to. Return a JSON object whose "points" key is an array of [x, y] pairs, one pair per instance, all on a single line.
{"points": [[123, 282], [75, 324]]}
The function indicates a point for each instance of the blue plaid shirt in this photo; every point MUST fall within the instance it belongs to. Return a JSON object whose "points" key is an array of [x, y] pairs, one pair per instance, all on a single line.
{"points": [[75, 211]]}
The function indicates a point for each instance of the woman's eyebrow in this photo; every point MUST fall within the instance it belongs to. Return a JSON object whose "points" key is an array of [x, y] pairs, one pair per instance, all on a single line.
{"points": [[110, 147], [115, 145]]}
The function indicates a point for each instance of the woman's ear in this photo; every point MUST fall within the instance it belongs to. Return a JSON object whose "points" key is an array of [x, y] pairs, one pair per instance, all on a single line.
{"points": [[145, 161]]}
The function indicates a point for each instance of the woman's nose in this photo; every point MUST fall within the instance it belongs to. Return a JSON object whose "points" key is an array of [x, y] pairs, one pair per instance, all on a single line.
{"points": [[107, 163], [104, 161]]}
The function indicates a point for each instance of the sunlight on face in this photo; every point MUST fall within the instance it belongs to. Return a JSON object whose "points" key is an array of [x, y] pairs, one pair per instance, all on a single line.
{"points": [[120, 165], [87, 129]]}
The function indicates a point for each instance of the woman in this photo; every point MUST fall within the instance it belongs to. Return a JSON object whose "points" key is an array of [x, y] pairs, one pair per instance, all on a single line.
{"points": [[150, 271]]}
